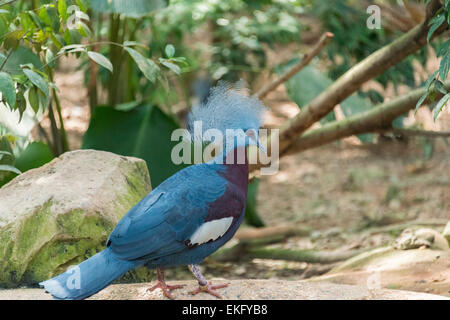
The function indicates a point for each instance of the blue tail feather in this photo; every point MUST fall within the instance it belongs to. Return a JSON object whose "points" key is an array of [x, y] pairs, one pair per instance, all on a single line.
{"points": [[88, 277]]}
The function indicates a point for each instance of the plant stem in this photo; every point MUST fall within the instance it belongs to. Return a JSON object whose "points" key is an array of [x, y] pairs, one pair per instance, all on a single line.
{"points": [[115, 54], [62, 131], [306, 59], [57, 147]]}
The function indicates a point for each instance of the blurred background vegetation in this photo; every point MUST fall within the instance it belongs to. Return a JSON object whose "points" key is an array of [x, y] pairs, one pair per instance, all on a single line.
{"points": [[121, 75], [146, 62]]}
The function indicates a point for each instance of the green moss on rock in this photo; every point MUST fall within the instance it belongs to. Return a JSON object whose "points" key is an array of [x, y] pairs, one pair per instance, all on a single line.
{"points": [[61, 223]]}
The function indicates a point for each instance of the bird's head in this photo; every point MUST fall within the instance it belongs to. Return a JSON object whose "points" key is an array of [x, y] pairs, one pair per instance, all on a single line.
{"points": [[230, 110]]}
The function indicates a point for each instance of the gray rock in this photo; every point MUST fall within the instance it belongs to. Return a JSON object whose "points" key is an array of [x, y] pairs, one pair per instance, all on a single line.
{"points": [[423, 237], [446, 233], [59, 214], [239, 290], [420, 270]]}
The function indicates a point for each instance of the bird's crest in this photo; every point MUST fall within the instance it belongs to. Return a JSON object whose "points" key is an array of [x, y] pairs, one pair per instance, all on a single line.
{"points": [[228, 106]]}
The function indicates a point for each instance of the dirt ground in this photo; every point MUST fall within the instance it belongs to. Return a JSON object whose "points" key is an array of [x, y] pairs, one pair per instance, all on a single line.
{"points": [[340, 190]]}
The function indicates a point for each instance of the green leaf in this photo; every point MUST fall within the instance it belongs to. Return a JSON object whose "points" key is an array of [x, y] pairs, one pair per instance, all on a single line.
{"points": [[251, 215], [5, 146], [143, 132], [434, 24], [439, 86], [62, 10], [50, 58], [7, 89], [171, 66], [4, 153], [6, 167], [33, 99], [134, 43], [83, 29], [26, 21], [38, 22], [440, 105], [83, 5], [43, 99], [443, 48], [421, 100], [444, 66], [127, 8], [170, 51], [430, 80], [147, 66], [22, 55], [12, 40], [72, 48], [101, 60], [127, 106], [37, 80], [43, 15], [54, 18], [35, 155]]}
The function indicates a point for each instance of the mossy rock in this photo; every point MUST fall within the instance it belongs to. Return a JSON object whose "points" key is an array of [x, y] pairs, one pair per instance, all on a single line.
{"points": [[60, 214]]}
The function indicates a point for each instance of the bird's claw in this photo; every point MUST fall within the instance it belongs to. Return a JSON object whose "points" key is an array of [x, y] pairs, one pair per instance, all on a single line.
{"points": [[209, 288], [165, 288]]}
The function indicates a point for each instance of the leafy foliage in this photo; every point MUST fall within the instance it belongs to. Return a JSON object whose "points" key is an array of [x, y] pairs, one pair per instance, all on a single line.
{"points": [[353, 42], [143, 132], [240, 29], [435, 83]]}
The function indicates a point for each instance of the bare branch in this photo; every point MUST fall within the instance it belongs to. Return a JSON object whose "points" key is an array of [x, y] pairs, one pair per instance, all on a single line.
{"points": [[416, 132], [375, 119], [246, 234], [323, 41]]}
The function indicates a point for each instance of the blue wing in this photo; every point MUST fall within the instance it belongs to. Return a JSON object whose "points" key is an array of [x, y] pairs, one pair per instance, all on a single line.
{"points": [[161, 222]]}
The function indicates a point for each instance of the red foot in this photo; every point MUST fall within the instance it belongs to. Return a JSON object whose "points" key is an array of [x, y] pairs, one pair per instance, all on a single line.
{"points": [[166, 288], [209, 288]]}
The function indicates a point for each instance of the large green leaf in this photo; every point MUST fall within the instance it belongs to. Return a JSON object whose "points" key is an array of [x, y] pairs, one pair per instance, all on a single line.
{"points": [[20, 56], [101, 60], [8, 168], [128, 8], [37, 80], [7, 89], [147, 66], [251, 215], [35, 155], [6, 161], [143, 132], [306, 85]]}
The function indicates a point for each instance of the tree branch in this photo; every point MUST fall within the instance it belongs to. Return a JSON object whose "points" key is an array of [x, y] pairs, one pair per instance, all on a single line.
{"points": [[323, 41], [351, 81], [408, 132], [375, 119], [245, 234]]}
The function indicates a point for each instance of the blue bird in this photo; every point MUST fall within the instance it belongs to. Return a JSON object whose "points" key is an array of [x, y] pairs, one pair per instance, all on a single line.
{"points": [[188, 216]]}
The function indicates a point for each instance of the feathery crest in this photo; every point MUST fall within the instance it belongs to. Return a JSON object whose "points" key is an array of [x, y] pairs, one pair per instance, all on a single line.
{"points": [[228, 106]]}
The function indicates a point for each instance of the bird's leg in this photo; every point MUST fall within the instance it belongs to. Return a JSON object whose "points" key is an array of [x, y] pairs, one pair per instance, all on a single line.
{"points": [[203, 285], [164, 286]]}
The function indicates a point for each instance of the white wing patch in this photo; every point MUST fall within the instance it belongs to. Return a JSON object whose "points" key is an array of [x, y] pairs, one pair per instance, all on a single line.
{"points": [[211, 230]]}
